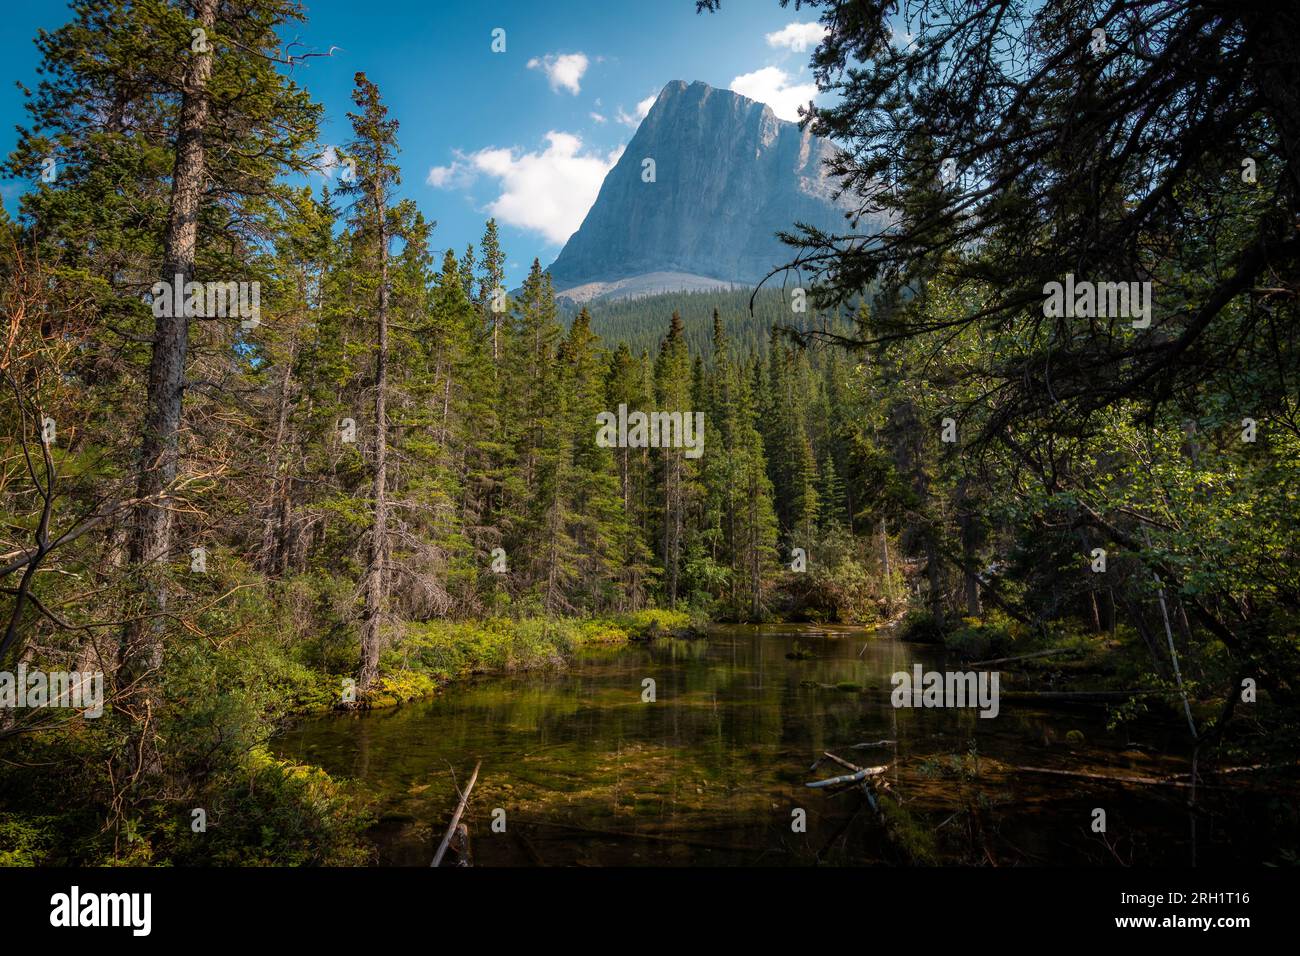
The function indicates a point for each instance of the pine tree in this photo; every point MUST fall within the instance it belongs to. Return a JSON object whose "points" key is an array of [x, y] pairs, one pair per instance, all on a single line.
{"points": [[149, 122], [832, 511], [466, 269], [777, 414], [804, 503], [672, 394], [625, 384], [491, 288], [533, 409], [374, 149], [303, 256], [756, 523], [599, 524]]}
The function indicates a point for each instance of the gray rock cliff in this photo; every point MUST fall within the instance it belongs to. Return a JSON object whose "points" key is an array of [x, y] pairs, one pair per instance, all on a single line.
{"points": [[728, 176]]}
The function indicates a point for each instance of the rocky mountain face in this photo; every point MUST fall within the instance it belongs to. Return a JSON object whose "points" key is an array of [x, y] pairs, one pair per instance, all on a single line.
{"points": [[728, 175]]}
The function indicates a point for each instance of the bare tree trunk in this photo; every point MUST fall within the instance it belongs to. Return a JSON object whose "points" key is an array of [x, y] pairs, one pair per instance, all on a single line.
{"points": [[275, 545], [755, 557], [373, 617], [672, 521], [853, 508], [141, 650], [669, 581], [918, 532], [1092, 592], [624, 476], [970, 543], [1173, 652], [553, 528], [884, 563], [446, 407]]}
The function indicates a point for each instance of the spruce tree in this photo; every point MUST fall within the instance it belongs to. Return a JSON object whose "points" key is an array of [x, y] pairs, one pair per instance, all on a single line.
{"points": [[672, 378], [372, 216], [492, 276], [625, 385], [158, 114]]}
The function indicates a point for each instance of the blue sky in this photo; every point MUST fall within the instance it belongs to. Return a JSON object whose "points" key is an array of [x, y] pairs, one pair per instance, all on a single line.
{"points": [[527, 134]]}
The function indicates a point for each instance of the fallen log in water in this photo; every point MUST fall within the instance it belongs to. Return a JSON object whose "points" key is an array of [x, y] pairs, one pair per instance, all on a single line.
{"points": [[1148, 781], [1077, 696], [827, 755], [1109, 778], [864, 777], [455, 819], [895, 821], [861, 774], [842, 762]]}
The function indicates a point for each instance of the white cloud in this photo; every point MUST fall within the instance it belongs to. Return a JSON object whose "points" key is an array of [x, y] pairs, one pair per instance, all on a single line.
{"points": [[775, 87], [440, 176], [799, 37], [457, 174], [642, 109], [563, 70], [547, 192], [596, 117], [328, 163]]}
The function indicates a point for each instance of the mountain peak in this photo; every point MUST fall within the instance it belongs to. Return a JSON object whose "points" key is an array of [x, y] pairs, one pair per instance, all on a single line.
{"points": [[701, 91], [698, 196]]}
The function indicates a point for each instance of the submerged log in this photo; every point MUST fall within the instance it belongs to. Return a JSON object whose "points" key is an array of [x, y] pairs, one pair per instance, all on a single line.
{"points": [[1106, 777], [1078, 696], [862, 774], [1175, 781], [842, 762], [455, 819]]}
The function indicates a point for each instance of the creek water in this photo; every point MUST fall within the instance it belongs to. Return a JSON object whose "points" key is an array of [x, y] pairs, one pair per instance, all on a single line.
{"points": [[714, 769]]}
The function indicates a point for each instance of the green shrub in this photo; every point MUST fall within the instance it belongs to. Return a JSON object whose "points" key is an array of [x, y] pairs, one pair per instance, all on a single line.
{"points": [[844, 581], [277, 813], [980, 640], [25, 840], [922, 627]]}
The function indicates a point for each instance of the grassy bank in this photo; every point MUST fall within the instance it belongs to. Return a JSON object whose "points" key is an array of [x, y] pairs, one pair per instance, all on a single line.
{"points": [[432, 654]]}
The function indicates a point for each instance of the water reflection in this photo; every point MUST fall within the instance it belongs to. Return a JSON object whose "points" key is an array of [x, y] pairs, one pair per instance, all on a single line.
{"points": [[710, 772]]}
